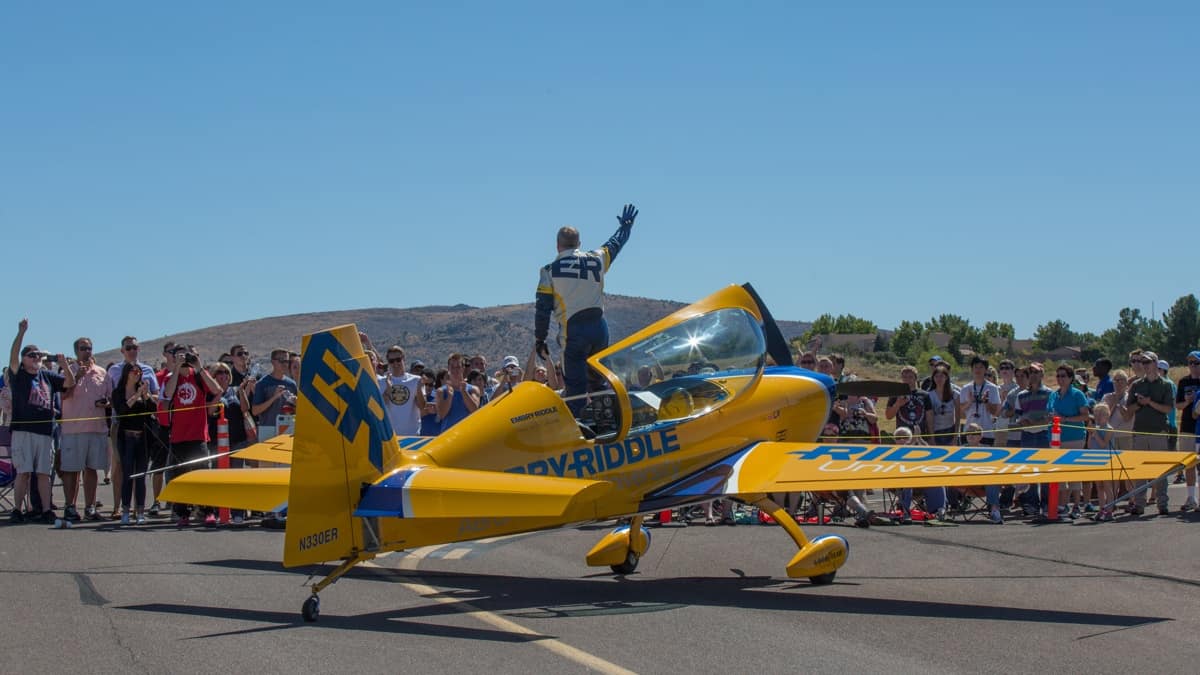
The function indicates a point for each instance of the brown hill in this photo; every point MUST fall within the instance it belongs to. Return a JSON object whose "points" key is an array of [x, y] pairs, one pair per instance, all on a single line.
{"points": [[427, 333]]}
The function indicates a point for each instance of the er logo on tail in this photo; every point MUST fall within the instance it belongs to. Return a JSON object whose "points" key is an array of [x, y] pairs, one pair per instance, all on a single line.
{"points": [[337, 379]]}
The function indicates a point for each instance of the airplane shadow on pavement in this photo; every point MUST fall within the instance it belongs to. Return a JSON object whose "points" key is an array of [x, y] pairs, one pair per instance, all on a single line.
{"points": [[523, 597]]}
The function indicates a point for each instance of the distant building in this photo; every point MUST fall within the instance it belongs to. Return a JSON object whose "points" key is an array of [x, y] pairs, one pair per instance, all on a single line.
{"points": [[861, 342]]}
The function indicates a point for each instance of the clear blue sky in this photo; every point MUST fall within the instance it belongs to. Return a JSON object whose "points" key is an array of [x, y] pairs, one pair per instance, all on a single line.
{"points": [[1020, 162]]}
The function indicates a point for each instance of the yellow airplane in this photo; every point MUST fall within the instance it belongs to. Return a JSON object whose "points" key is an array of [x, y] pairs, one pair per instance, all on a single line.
{"points": [[692, 412]]}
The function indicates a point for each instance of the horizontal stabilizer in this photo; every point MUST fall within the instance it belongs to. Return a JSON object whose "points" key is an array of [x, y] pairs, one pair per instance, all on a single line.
{"points": [[249, 489], [437, 492], [277, 450]]}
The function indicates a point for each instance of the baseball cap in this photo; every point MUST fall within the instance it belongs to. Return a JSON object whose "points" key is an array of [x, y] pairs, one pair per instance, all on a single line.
{"points": [[934, 358], [1150, 356], [511, 360], [1194, 356], [1163, 365], [30, 349]]}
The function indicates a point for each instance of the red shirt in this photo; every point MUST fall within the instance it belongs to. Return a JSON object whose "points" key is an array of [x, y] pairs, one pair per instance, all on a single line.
{"points": [[189, 421]]}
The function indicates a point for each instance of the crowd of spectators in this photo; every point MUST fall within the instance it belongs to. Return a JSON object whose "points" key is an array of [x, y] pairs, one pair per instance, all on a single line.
{"points": [[72, 420], [1138, 409], [77, 420]]}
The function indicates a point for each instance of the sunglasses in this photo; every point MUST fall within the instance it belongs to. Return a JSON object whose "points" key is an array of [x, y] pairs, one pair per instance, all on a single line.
{"points": [[131, 348], [241, 353], [399, 359]]}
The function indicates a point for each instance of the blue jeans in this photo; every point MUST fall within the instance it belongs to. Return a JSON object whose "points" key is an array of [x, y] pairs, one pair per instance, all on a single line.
{"points": [[935, 499], [584, 338]]}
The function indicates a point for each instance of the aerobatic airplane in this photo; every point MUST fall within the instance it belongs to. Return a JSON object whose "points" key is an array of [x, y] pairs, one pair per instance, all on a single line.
{"points": [[703, 404]]}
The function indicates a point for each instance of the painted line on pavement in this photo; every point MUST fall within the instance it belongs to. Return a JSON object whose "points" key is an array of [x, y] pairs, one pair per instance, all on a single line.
{"points": [[546, 642]]}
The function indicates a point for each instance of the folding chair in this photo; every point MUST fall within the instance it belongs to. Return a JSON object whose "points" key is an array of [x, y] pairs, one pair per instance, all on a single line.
{"points": [[966, 503]]}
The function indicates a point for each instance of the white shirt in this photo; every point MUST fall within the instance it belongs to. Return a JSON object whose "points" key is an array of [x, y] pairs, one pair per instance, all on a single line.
{"points": [[977, 398], [400, 399]]}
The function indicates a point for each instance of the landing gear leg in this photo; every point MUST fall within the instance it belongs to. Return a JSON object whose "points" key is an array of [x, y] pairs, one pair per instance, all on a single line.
{"points": [[818, 559], [312, 606], [631, 557]]}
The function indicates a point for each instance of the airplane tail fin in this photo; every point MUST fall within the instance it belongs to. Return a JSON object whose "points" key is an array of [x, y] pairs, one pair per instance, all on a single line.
{"points": [[343, 439]]}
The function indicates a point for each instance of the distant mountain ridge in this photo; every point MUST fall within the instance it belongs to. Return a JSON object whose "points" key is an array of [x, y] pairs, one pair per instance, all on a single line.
{"points": [[429, 334]]}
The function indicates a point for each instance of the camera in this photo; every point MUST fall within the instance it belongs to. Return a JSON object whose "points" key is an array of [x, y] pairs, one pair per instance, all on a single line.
{"points": [[51, 358]]}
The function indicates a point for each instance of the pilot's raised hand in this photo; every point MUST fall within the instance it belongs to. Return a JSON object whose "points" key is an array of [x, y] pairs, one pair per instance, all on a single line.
{"points": [[627, 215]]}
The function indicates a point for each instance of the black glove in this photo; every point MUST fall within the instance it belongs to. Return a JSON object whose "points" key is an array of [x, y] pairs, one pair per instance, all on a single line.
{"points": [[627, 216], [542, 350]]}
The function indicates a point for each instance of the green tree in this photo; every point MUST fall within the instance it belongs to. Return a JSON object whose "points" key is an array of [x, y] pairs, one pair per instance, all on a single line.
{"points": [[1126, 336], [905, 335], [1053, 335], [844, 324], [998, 329], [1182, 324]]}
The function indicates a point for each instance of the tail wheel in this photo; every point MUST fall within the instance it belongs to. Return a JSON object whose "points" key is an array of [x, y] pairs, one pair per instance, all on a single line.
{"points": [[823, 579], [311, 609], [627, 567]]}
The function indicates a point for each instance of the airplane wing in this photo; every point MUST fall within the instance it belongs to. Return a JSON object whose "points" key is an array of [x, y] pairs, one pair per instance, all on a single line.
{"points": [[801, 467], [250, 489], [437, 492]]}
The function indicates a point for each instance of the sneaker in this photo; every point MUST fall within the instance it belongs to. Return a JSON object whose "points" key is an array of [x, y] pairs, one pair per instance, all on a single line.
{"points": [[90, 513], [70, 513], [154, 509], [1163, 510], [124, 517], [1137, 510], [16, 517], [48, 517], [210, 520], [1105, 516], [1189, 505], [141, 520], [184, 521], [863, 520], [1090, 508], [238, 521], [1075, 514], [996, 517]]}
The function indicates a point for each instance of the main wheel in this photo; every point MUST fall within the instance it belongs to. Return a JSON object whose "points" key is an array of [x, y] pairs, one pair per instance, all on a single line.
{"points": [[823, 579], [627, 567], [311, 609]]}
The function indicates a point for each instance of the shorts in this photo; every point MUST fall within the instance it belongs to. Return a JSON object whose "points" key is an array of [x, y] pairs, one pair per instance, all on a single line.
{"points": [[80, 451], [32, 453]]}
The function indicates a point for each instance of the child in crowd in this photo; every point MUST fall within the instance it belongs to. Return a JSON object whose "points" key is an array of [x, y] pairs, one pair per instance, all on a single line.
{"points": [[974, 434], [1103, 437]]}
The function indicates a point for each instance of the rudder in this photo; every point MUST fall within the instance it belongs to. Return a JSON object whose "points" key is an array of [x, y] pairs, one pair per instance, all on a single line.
{"points": [[343, 439]]}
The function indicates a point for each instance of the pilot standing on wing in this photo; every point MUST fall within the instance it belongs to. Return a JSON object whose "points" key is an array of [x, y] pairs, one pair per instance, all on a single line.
{"points": [[572, 287]]}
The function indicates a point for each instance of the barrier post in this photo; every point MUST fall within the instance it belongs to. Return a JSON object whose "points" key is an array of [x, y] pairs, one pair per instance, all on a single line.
{"points": [[1055, 443], [223, 455]]}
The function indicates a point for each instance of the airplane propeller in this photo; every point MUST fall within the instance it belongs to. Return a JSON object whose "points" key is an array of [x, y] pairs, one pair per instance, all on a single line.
{"points": [[872, 388]]}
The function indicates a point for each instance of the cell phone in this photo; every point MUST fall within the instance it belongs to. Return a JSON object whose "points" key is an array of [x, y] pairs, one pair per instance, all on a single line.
{"points": [[51, 358]]}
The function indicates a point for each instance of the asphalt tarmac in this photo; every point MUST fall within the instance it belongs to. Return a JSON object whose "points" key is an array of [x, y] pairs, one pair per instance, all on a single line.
{"points": [[1080, 598]]}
